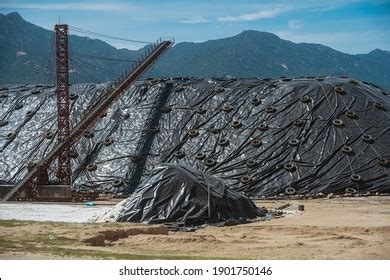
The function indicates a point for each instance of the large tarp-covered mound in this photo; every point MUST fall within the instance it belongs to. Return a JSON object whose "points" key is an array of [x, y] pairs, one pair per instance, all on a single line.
{"points": [[181, 194], [265, 137]]}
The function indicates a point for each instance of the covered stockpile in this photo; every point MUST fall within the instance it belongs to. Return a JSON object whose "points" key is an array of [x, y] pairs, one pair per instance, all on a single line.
{"points": [[181, 194], [263, 137]]}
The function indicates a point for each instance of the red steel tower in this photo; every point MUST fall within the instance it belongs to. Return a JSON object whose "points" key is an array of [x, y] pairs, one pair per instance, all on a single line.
{"points": [[62, 91]]}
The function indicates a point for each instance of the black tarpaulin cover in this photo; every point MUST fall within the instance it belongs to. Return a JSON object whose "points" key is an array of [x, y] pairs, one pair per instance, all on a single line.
{"points": [[265, 137], [178, 193]]}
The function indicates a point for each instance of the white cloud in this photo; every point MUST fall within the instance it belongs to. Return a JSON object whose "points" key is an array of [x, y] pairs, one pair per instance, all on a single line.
{"points": [[71, 6], [253, 16], [326, 8], [295, 23], [194, 20]]}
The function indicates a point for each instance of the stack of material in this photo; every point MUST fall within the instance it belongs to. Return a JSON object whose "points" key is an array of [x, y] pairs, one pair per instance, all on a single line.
{"points": [[181, 194], [266, 137]]}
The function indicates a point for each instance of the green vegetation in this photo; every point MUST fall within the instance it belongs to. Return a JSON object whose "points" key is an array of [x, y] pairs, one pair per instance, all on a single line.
{"points": [[36, 43], [248, 54]]}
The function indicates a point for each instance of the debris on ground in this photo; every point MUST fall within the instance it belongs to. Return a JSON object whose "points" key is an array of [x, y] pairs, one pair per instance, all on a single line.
{"points": [[115, 234]]}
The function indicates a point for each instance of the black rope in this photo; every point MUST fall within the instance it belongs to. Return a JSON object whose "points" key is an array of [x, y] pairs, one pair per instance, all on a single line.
{"points": [[86, 74], [91, 66], [76, 29], [103, 58]]}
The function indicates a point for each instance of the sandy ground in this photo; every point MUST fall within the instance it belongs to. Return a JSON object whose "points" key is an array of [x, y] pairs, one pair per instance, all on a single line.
{"points": [[340, 228]]}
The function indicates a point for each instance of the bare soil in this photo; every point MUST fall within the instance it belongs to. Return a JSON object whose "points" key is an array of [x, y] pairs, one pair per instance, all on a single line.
{"points": [[339, 228]]}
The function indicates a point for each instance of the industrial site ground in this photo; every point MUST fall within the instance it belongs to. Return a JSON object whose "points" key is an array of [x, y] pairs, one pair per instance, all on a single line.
{"points": [[338, 228]]}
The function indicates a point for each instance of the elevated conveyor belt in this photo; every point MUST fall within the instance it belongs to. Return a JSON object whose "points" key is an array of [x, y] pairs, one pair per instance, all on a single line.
{"points": [[148, 59]]}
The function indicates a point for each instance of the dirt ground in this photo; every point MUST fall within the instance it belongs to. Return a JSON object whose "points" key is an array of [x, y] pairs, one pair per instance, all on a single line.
{"points": [[339, 228]]}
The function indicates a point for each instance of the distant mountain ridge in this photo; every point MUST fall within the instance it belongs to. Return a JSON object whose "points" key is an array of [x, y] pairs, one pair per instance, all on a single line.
{"points": [[254, 53], [25, 49]]}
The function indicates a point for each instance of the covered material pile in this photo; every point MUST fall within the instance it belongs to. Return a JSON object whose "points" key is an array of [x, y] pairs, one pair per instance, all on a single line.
{"points": [[265, 137], [181, 194]]}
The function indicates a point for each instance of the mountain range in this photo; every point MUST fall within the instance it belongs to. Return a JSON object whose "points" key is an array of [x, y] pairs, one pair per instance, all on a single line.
{"points": [[27, 56]]}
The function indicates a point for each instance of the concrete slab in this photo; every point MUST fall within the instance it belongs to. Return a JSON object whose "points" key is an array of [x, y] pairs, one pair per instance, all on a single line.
{"points": [[53, 212]]}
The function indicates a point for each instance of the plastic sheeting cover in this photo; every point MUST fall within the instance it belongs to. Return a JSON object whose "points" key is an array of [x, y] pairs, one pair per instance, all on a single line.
{"points": [[181, 194], [265, 137]]}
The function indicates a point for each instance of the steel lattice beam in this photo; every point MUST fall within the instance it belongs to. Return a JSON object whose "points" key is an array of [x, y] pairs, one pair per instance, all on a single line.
{"points": [[62, 91]]}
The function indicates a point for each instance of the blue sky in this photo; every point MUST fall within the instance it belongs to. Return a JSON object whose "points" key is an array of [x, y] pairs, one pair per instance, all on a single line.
{"points": [[350, 26]]}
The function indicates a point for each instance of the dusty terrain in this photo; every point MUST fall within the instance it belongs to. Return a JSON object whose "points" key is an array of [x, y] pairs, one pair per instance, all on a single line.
{"points": [[340, 228]]}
